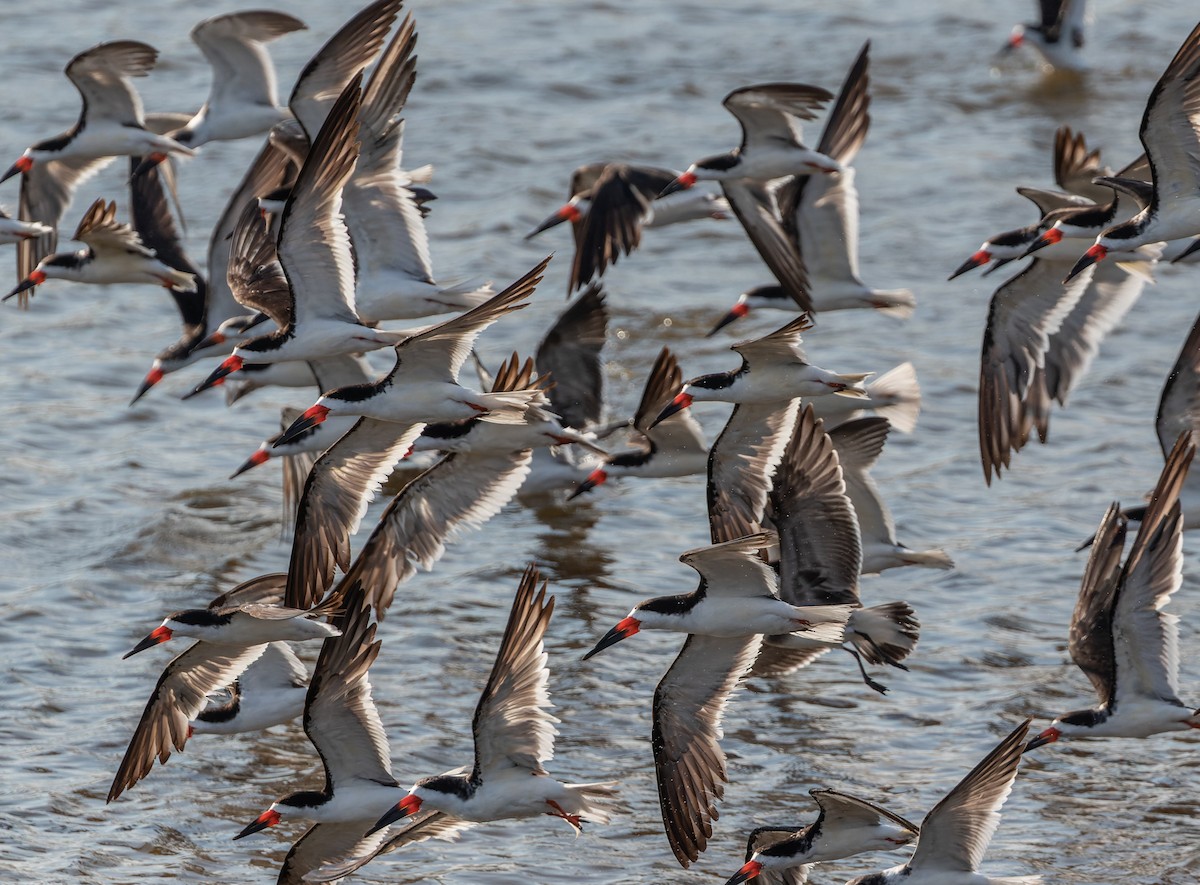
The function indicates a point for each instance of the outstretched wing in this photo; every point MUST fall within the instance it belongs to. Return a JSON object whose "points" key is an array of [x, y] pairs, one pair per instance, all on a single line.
{"points": [[1145, 638], [512, 727], [339, 715], [570, 354], [460, 492], [439, 353], [336, 494], [956, 833], [688, 760], [181, 693], [769, 112], [102, 76], [820, 549]]}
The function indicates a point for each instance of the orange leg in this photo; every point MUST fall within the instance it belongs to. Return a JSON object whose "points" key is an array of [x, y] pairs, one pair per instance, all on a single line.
{"points": [[572, 819]]}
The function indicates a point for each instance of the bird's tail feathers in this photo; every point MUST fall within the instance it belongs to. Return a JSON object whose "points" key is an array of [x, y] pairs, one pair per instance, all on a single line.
{"points": [[897, 396], [898, 303], [884, 634], [935, 558], [420, 175], [507, 407], [823, 632], [593, 802]]}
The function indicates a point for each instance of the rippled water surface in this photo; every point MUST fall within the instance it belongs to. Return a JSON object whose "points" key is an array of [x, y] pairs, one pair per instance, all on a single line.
{"points": [[113, 516]]}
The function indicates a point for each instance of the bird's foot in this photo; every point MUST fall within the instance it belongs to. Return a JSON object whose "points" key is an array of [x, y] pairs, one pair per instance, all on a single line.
{"points": [[573, 819]]}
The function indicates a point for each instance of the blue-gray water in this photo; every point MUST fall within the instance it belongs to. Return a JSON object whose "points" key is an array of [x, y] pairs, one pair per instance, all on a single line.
{"points": [[111, 516]]}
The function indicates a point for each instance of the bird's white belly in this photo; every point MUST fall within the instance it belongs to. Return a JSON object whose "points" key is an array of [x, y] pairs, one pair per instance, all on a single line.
{"points": [[514, 794], [278, 707], [105, 139], [357, 800], [739, 616]]}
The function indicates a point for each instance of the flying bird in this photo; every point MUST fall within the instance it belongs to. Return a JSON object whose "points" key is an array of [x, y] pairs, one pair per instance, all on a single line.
{"points": [[956, 833]]}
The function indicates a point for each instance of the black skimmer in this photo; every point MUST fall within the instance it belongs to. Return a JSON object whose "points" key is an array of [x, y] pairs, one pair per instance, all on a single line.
{"points": [[627, 187], [421, 388], [1075, 167], [774, 370], [743, 460], [46, 192], [771, 148], [845, 826], [1170, 133], [956, 833], [772, 145], [151, 216], [724, 618], [243, 100], [341, 721], [514, 738], [1120, 637], [315, 254], [1057, 36], [111, 121], [673, 447], [110, 124], [570, 353], [423, 384], [13, 230], [608, 206], [394, 270], [820, 213], [859, 443], [233, 633], [180, 696], [249, 614], [113, 253], [736, 598], [821, 556]]}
